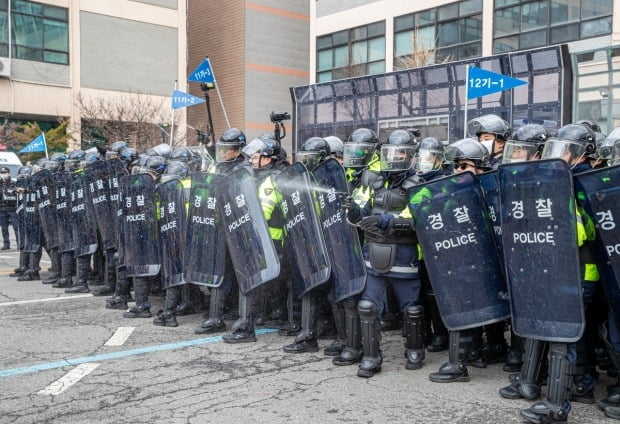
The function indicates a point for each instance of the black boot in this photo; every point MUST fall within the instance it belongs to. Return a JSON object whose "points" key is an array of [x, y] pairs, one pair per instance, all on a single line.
{"points": [[55, 273], [215, 323], [306, 340], [414, 337], [79, 287], [23, 265], [337, 345], [514, 357], [439, 339], [556, 407], [6, 246], [165, 319], [613, 394], [372, 360], [83, 272], [116, 302], [243, 328], [455, 369], [582, 390], [292, 326], [495, 349], [30, 275], [63, 283], [185, 306], [527, 385], [352, 352]]}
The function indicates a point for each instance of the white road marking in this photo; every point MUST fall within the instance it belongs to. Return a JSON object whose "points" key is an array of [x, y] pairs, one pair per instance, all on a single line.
{"points": [[48, 299], [120, 336], [69, 379]]}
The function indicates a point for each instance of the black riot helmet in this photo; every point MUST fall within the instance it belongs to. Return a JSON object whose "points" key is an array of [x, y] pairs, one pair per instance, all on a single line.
{"points": [[74, 160], [58, 157], [590, 124], [336, 146], [360, 148], [398, 153], [525, 143], [429, 155], [162, 149], [468, 149], [313, 151], [571, 143], [181, 154], [51, 165], [490, 124], [24, 172], [89, 157], [229, 146], [115, 149], [152, 165], [606, 148], [176, 168], [128, 155]]}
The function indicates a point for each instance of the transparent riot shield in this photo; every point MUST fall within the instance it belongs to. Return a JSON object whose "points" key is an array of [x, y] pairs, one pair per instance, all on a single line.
{"points": [[490, 192], [251, 248], [539, 235], [46, 205], [139, 227], [348, 274], [62, 188], [96, 177], [83, 220], [303, 237], [204, 263], [459, 251], [32, 221], [172, 224]]}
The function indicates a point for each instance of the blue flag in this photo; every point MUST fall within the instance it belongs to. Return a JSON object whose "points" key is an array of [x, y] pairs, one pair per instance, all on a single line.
{"points": [[36, 145], [203, 73], [481, 82], [181, 99]]}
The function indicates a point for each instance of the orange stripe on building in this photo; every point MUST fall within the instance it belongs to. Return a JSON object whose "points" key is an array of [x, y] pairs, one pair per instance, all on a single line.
{"points": [[277, 70], [259, 126], [276, 11]]}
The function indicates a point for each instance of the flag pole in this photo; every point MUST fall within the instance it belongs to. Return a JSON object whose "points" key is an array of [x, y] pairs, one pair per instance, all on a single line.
{"points": [[466, 100], [176, 83], [45, 144]]}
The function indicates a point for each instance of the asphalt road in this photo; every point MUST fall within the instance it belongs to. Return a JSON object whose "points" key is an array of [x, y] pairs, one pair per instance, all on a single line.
{"points": [[58, 364]]}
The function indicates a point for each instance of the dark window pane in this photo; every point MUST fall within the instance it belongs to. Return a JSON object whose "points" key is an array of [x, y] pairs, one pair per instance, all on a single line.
{"points": [[471, 29], [4, 27], [402, 23], [564, 33], [376, 49], [448, 12], [447, 34], [592, 8], [470, 50], [27, 7], [403, 43], [470, 6], [56, 35], [507, 21], [519, 63], [325, 60], [54, 57], [359, 33], [501, 3], [324, 77], [4, 49], [596, 27], [4, 5], [506, 44], [28, 30], [447, 54], [28, 53], [545, 60], [324, 41], [564, 11], [533, 39], [359, 52], [341, 56], [55, 12], [534, 15], [341, 37], [424, 18], [377, 28]]}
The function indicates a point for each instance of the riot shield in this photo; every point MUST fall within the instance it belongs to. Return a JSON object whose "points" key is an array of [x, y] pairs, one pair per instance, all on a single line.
{"points": [[139, 229], [46, 205], [96, 177], [490, 193], [206, 241], [116, 170], [598, 192], [539, 235], [172, 224], [303, 237], [348, 275], [459, 251], [251, 248], [82, 218], [20, 211], [32, 221], [62, 188]]}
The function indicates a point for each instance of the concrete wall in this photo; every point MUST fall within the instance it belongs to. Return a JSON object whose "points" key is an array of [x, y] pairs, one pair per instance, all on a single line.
{"points": [[170, 4]]}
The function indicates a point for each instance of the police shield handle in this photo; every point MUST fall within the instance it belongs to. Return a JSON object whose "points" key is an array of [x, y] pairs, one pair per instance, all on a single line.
{"points": [[346, 202]]}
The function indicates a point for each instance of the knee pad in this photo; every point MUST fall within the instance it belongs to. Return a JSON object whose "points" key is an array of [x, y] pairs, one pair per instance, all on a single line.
{"points": [[366, 308], [414, 312]]}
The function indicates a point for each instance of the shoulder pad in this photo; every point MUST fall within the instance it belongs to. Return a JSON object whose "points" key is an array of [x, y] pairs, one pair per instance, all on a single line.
{"points": [[412, 181], [369, 178]]}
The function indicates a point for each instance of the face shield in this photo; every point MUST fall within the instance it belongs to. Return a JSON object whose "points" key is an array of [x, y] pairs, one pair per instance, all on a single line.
{"points": [[309, 159], [428, 160], [615, 154], [517, 151], [111, 155], [563, 149], [252, 147], [72, 164], [140, 169], [225, 152], [357, 155], [396, 158]]}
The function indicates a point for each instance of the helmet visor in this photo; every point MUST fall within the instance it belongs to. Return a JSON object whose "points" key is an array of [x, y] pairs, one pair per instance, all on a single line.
{"points": [[428, 160], [225, 152], [310, 159], [615, 154], [357, 155], [516, 151], [395, 158], [563, 149]]}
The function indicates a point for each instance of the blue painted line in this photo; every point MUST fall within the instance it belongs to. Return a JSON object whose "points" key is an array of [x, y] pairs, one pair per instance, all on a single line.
{"points": [[116, 355]]}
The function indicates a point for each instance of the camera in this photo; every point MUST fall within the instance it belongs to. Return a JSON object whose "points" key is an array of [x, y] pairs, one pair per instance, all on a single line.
{"points": [[279, 117]]}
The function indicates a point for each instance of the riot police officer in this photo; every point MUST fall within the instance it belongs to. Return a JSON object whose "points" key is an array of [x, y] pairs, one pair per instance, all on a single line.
{"points": [[8, 205], [21, 186], [391, 254], [492, 131]]}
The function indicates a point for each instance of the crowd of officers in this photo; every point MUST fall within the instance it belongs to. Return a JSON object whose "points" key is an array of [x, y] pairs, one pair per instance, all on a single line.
{"points": [[397, 293]]}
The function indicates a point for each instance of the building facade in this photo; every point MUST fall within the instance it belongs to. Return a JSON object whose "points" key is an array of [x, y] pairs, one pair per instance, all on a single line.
{"points": [[54, 52]]}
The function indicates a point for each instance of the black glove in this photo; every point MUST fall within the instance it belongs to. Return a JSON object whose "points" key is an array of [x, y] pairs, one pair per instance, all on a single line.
{"points": [[369, 223], [347, 201]]}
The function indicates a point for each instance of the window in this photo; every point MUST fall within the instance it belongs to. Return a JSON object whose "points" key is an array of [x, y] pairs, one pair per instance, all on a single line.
{"points": [[449, 32], [39, 32], [533, 23], [353, 52]]}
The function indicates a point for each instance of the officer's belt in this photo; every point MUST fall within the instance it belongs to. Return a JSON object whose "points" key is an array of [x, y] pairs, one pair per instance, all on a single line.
{"points": [[403, 269], [390, 238]]}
